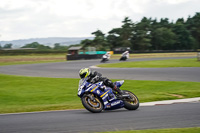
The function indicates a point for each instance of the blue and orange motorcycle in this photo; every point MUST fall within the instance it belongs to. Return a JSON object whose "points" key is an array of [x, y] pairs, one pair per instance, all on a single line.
{"points": [[98, 97]]}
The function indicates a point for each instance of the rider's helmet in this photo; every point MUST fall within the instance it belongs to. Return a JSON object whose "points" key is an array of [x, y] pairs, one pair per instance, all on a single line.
{"points": [[84, 72]]}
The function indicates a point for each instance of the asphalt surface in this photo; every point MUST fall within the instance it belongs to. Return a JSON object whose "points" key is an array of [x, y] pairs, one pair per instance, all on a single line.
{"points": [[76, 121], [70, 69]]}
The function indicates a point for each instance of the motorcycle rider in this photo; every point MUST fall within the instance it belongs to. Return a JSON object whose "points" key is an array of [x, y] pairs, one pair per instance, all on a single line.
{"points": [[106, 56], [125, 54], [94, 77]]}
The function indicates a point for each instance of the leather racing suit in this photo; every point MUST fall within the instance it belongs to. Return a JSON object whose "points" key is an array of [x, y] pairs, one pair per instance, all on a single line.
{"points": [[95, 77]]}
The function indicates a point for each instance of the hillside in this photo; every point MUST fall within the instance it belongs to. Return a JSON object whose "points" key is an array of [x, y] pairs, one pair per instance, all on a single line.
{"points": [[50, 41]]}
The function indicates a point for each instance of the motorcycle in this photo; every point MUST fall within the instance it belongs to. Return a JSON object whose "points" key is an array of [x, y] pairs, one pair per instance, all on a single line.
{"points": [[104, 59], [124, 56], [98, 97]]}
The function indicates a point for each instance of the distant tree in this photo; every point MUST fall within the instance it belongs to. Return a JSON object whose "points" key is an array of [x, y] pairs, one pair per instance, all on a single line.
{"points": [[98, 33], [57, 46], [86, 43], [113, 38], [193, 25], [121, 37], [180, 20], [141, 39], [32, 45], [43, 47], [36, 45], [164, 39], [0, 46], [99, 41], [126, 32], [184, 39], [165, 27], [154, 25], [164, 22], [150, 34], [9, 45]]}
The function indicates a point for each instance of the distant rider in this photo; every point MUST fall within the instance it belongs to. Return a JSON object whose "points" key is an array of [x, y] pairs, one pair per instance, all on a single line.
{"points": [[125, 54], [107, 55], [94, 77]]}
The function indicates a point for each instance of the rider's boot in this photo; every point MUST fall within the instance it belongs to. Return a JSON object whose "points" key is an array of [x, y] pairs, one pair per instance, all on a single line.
{"points": [[120, 93], [115, 88]]}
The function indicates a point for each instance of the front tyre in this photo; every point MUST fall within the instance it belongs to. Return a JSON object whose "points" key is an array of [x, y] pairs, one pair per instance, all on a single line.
{"points": [[131, 103], [92, 103]]}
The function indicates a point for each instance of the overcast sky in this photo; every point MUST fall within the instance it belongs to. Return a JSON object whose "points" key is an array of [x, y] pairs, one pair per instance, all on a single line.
{"points": [[23, 19]]}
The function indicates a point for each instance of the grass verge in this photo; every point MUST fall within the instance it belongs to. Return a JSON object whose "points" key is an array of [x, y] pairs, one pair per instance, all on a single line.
{"points": [[172, 130], [27, 94], [45, 58], [31, 59], [154, 55], [192, 62]]}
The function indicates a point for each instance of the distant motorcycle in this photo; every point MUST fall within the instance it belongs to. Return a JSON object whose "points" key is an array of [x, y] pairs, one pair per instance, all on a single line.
{"points": [[97, 97], [104, 58], [124, 56]]}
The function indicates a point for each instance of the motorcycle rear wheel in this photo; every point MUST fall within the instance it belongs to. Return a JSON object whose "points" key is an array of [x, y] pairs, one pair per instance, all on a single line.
{"points": [[92, 105], [122, 59], [131, 103]]}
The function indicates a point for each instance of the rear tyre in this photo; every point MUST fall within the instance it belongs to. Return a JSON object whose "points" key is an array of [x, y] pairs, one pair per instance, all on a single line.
{"points": [[92, 103], [122, 59], [103, 60], [131, 103]]}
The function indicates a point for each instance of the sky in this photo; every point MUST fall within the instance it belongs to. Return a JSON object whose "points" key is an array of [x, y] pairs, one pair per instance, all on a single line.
{"points": [[24, 19]]}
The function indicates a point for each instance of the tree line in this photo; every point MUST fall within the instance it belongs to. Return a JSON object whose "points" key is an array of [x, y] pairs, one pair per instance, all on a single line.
{"points": [[38, 46], [150, 34]]}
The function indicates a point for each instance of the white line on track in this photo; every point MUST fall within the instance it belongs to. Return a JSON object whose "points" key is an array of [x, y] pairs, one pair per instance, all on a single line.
{"points": [[197, 99]]}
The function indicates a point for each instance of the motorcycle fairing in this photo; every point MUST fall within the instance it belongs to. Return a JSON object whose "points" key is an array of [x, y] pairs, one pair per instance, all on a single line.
{"points": [[119, 83], [107, 96]]}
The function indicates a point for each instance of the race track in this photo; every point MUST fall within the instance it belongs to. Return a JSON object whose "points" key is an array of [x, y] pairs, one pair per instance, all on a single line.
{"points": [[77, 121], [70, 69]]}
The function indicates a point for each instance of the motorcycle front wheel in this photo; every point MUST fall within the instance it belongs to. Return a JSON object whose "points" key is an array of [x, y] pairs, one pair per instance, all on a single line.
{"points": [[132, 102], [92, 103]]}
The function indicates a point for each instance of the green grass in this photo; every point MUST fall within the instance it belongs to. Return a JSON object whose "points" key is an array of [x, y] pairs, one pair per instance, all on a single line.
{"points": [[45, 58], [153, 55], [192, 62], [27, 94], [31, 59], [28, 62], [172, 130]]}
